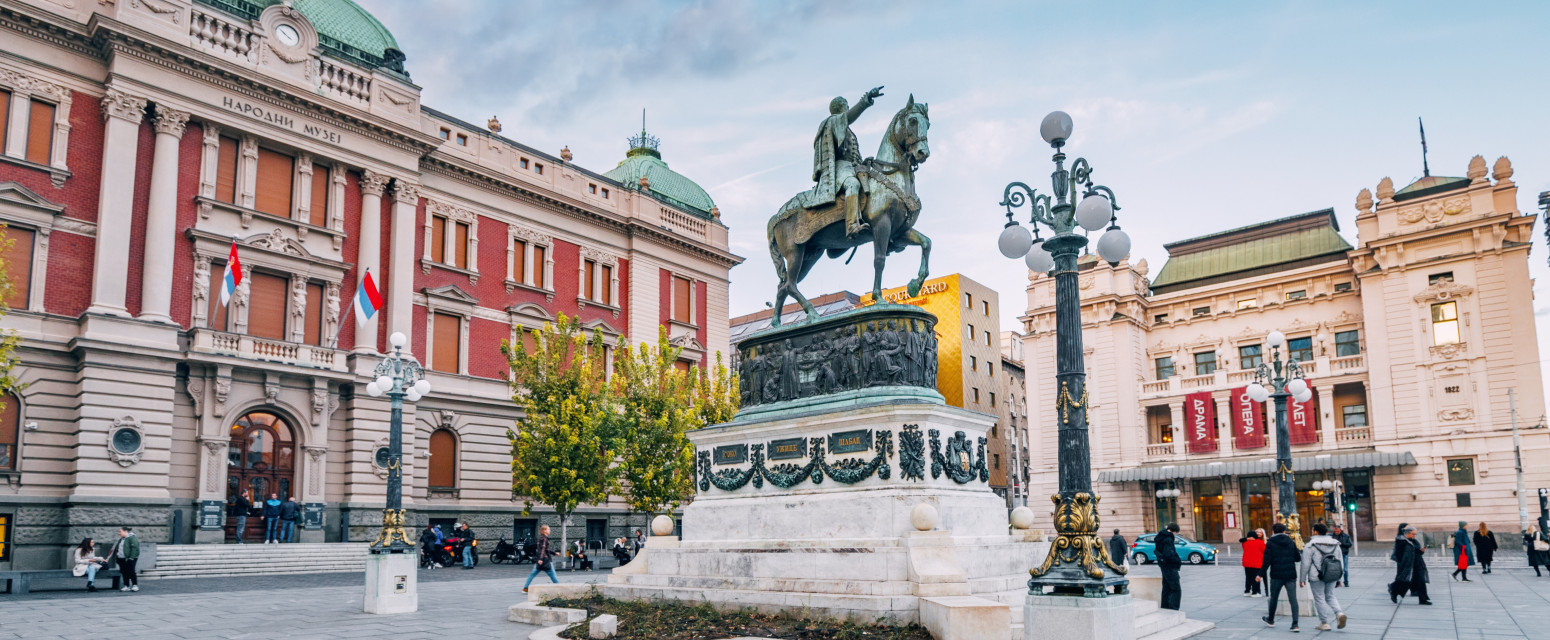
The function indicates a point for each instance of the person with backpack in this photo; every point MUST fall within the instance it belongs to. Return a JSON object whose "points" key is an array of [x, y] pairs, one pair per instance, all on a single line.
{"points": [[1322, 568], [1281, 560]]}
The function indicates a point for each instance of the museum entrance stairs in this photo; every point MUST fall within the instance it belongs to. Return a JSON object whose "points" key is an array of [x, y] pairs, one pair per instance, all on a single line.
{"points": [[217, 560]]}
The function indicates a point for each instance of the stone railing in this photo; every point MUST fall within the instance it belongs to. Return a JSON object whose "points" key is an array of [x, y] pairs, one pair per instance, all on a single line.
{"points": [[1240, 377], [1347, 364], [1195, 382], [345, 83], [1163, 450], [1353, 434], [685, 224], [254, 348], [215, 34], [1160, 386]]}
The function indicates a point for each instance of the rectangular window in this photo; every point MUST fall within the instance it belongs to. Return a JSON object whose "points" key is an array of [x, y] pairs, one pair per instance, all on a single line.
{"points": [[987, 339], [266, 306], [540, 262], [1297, 295], [1250, 356], [1300, 349], [1446, 276], [523, 162], [5, 115], [605, 295], [1202, 311], [971, 333], [1205, 363], [317, 216], [592, 189], [460, 245], [217, 313], [681, 289], [438, 239], [1445, 323], [990, 369], [589, 271], [18, 263], [985, 307], [1342, 287], [1164, 367], [275, 174], [1159, 425], [462, 139], [1248, 303], [446, 134], [40, 132], [992, 398], [1347, 343], [448, 333], [1461, 471], [1353, 415], [226, 171], [1160, 318], [538, 168], [974, 363], [997, 458], [314, 329], [519, 260], [968, 300], [976, 395], [10, 427], [605, 193]]}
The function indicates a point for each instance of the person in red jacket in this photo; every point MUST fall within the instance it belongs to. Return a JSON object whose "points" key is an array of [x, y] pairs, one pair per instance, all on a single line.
{"points": [[1253, 564]]}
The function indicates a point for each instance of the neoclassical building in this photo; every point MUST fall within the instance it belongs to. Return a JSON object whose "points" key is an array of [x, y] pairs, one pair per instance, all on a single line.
{"points": [[140, 138], [1418, 341]]}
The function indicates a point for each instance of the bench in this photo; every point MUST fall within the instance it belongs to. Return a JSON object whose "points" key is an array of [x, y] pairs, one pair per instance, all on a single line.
{"points": [[20, 582]]}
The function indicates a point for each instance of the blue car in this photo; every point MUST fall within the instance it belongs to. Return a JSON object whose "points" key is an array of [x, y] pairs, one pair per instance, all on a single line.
{"points": [[1144, 550]]}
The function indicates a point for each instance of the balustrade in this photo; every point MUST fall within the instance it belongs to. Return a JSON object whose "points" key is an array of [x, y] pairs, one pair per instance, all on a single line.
{"points": [[344, 82], [217, 35], [255, 348]]}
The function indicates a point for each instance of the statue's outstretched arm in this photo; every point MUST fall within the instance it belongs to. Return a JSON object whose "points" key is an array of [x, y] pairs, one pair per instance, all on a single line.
{"points": [[862, 104]]}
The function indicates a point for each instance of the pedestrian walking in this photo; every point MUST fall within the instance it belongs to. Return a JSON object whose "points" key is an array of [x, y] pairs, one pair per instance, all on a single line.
{"points": [[272, 518], [544, 563], [1118, 548], [1281, 560], [467, 536], [87, 562], [1410, 573], [126, 552], [1463, 551], [290, 513], [1322, 567], [1168, 560], [1538, 548], [1339, 533], [1485, 547], [1253, 564], [244, 505]]}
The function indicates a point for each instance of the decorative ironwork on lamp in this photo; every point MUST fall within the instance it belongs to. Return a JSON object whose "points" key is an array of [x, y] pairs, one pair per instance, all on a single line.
{"points": [[400, 378]]}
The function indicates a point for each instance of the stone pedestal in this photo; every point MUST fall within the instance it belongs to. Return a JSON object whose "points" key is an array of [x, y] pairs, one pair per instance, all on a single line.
{"points": [[391, 583], [1078, 618]]}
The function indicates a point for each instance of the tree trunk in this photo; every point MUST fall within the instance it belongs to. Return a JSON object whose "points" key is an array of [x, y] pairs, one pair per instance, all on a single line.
{"points": [[564, 539]]}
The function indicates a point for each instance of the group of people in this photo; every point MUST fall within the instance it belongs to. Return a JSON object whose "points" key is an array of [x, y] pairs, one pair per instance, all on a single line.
{"points": [[434, 545], [280, 517], [124, 554]]}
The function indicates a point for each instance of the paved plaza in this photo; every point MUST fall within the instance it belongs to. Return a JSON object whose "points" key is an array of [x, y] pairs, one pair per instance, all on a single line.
{"points": [[1510, 603]]}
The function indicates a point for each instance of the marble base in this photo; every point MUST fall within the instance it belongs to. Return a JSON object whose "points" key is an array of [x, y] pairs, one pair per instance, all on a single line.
{"points": [[1078, 618], [391, 583]]}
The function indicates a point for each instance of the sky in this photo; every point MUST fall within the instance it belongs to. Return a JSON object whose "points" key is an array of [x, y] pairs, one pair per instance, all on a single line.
{"points": [[1202, 116]]}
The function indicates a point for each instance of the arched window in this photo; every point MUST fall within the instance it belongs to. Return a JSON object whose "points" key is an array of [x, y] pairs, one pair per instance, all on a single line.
{"points": [[10, 429], [443, 465]]}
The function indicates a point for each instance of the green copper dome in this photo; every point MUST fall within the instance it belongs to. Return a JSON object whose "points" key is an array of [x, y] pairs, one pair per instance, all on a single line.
{"points": [[344, 28], [643, 159]]}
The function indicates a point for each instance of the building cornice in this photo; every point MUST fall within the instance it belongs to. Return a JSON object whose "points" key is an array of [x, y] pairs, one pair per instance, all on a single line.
{"points": [[48, 28]]}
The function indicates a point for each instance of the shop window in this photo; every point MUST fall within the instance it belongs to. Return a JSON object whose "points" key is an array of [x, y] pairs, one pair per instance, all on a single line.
{"points": [[40, 131], [443, 463], [17, 253], [1300, 349], [448, 339], [266, 305], [10, 431], [1250, 356], [1353, 415], [1445, 323], [1461, 471], [1436, 278], [1347, 343], [276, 171], [314, 328], [226, 170], [682, 292], [317, 216], [1205, 363], [1201, 311], [1164, 367], [1299, 294]]}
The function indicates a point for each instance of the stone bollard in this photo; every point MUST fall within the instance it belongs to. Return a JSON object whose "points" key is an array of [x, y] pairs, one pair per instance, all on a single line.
{"points": [[603, 626]]}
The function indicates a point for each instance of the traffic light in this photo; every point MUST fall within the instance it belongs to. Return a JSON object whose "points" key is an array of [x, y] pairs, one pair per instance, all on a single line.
{"points": [[1350, 502]]}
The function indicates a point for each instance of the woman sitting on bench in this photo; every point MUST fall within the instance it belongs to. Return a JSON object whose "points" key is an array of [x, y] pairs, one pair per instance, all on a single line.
{"points": [[87, 562]]}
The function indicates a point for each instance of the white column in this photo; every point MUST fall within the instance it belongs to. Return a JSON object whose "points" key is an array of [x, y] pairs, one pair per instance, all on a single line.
{"points": [[1179, 432], [406, 198], [372, 185], [122, 113], [161, 220], [1224, 437], [21, 110]]}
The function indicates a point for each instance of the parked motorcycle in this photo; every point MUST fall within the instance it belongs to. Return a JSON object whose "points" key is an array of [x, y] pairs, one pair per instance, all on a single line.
{"points": [[505, 552], [453, 550]]}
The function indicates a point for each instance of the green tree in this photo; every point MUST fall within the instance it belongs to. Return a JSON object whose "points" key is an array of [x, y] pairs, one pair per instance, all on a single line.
{"points": [[655, 410], [9, 339], [716, 394], [562, 454]]}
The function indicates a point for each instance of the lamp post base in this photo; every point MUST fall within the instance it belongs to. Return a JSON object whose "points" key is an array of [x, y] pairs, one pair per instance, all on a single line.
{"points": [[391, 583], [1056, 617]]}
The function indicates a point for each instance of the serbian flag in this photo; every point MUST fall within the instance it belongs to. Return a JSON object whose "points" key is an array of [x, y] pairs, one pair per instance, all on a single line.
{"points": [[233, 276], [367, 300]]}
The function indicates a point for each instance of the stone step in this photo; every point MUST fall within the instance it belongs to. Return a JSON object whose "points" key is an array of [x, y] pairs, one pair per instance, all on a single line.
{"points": [[1187, 628], [215, 560], [1156, 621]]}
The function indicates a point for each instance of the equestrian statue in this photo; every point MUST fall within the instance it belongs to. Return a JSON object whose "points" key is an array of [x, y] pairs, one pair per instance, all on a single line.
{"points": [[855, 201]]}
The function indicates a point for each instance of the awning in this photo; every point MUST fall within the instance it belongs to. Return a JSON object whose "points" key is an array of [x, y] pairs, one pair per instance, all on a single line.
{"points": [[1259, 466]]}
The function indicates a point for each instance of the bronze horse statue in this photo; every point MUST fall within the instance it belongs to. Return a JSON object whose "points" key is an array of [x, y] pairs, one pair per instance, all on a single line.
{"points": [[800, 236]]}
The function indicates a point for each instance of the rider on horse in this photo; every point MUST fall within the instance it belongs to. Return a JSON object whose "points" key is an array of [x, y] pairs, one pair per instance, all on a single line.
{"points": [[835, 156]]}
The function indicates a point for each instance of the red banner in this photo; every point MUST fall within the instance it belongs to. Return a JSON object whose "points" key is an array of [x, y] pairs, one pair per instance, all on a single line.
{"points": [[1248, 420], [1302, 418], [1200, 422]]}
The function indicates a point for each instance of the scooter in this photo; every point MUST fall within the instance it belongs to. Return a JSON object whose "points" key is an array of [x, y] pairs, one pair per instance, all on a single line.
{"points": [[505, 552], [454, 550]]}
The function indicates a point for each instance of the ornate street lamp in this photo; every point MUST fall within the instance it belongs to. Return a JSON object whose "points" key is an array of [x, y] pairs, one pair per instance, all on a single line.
{"points": [[400, 378], [1078, 562], [1285, 376]]}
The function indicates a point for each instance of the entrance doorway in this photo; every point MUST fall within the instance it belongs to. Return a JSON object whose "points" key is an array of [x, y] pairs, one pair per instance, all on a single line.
{"points": [[1256, 503], [262, 460], [1208, 510]]}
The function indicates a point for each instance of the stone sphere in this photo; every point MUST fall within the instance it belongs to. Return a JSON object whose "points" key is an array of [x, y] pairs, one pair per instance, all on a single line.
{"points": [[923, 517], [663, 525], [1022, 518]]}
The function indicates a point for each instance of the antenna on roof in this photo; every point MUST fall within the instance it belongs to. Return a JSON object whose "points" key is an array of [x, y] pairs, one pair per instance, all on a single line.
{"points": [[1426, 171]]}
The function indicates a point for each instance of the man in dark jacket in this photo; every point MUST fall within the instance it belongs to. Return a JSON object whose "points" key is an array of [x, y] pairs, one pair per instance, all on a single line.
{"points": [[1345, 553], [1118, 548], [290, 513], [467, 536], [1168, 560], [1410, 575], [1281, 558]]}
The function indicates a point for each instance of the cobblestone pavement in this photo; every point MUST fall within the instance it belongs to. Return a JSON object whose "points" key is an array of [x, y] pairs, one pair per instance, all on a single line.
{"points": [[1508, 604]]}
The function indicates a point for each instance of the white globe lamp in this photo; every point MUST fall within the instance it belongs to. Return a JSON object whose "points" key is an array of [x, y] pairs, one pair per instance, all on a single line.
{"points": [[373, 390], [1113, 246], [1094, 211], [1038, 259], [423, 387], [1014, 241], [1055, 128], [398, 340], [1276, 339], [1297, 386], [385, 384]]}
